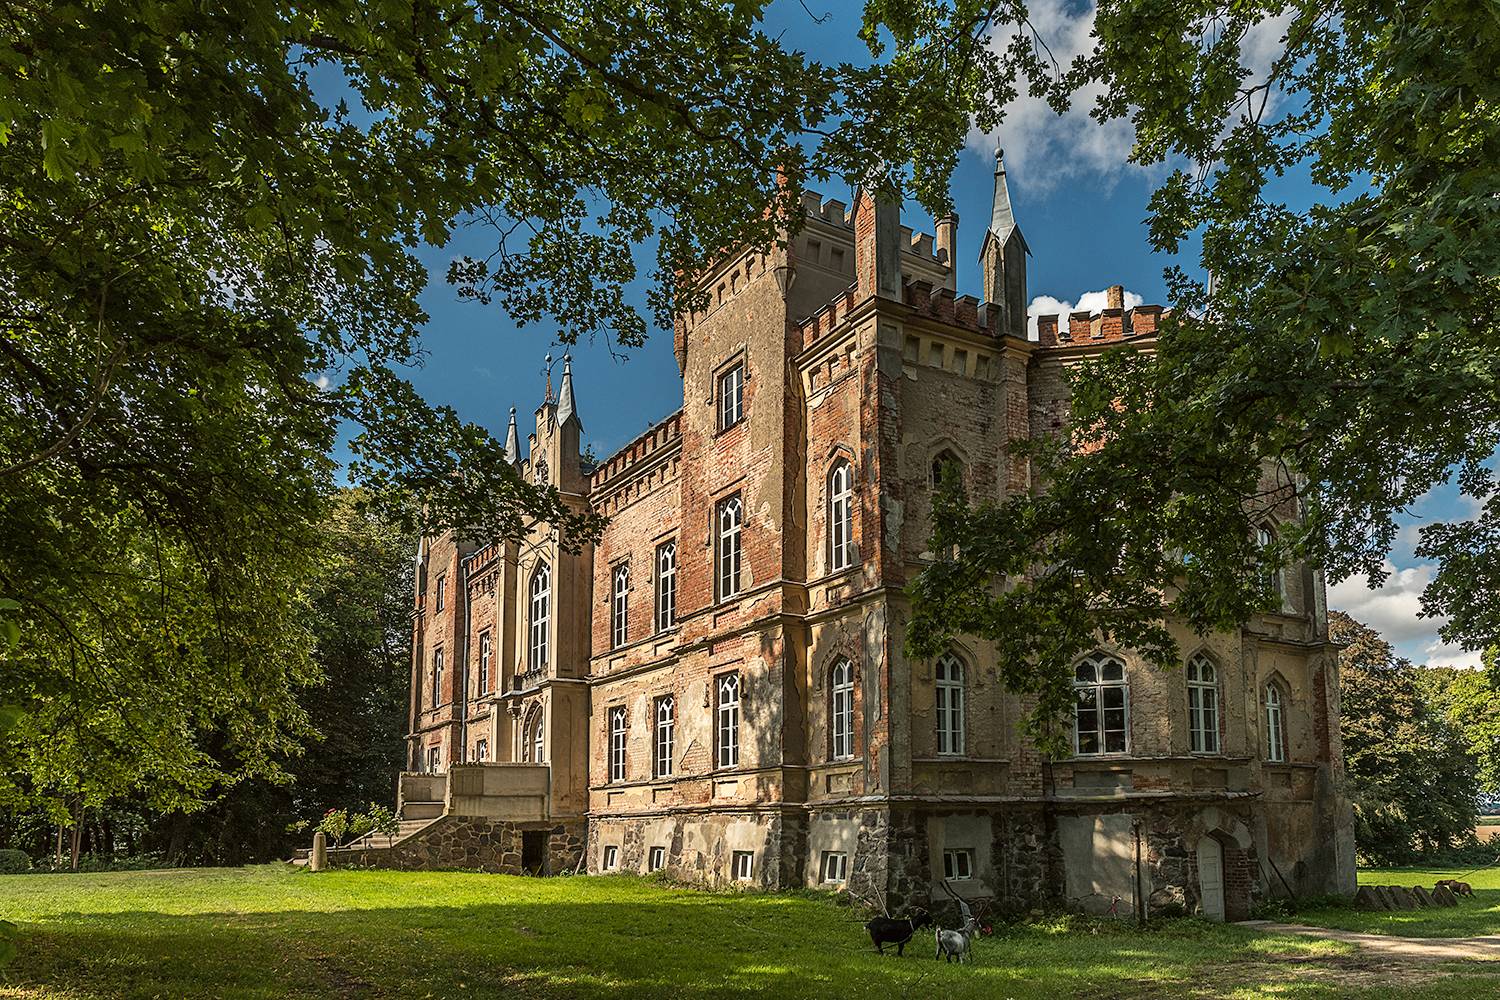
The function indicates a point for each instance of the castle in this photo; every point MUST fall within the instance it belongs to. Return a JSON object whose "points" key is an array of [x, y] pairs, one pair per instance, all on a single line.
{"points": [[718, 688]]}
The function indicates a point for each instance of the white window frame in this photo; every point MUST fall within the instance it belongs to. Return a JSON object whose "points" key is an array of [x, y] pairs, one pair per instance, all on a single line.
{"points": [[949, 705], [539, 617], [442, 591], [730, 522], [611, 860], [619, 628], [840, 517], [834, 867], [437, 677], [618, 734], [656, 859], [666, 585], [664, 744], [742, 866], [958, 864], [535, 737], [731, 395], [1101, 690], [486, 650], [435, 760], [1276, 742], [481, 749], [727, 720], [841, 709], [1203, 705]]}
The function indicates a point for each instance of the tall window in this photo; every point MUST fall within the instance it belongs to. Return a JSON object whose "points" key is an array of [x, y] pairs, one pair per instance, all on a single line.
{"points": [[620, 611], [485, 654], [949, 701], [532, 749], [731, 519], [482, 750], [728, 721], [666, 733], [1101, 708], [666, 586], [617, 744], [1270, 576], [541, 605], [840, 517], [434, 760], [841, 700], [1203, 705], [437, 677], [731, 396], [943, 465], [1275, 726], [442, 592]]}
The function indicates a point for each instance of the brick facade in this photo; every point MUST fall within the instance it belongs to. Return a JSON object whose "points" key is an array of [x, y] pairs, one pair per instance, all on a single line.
{"points": [[855, 349]]}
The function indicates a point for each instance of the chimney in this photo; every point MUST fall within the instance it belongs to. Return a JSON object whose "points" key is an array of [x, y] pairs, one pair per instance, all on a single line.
{"points": [[1116, 296], [947, 244]]}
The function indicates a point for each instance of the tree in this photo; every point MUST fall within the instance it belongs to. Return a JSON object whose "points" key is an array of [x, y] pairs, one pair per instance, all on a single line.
{"points": [[1411, 779], [1345, 361], [1470, 702]]}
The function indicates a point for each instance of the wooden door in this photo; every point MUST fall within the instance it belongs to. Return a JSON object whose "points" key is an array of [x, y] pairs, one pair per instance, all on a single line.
{"points": [[1211, 877]]}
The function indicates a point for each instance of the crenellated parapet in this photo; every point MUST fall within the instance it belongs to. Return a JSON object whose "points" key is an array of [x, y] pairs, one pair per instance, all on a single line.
{"points": [[618, 466], [1114, 324]]}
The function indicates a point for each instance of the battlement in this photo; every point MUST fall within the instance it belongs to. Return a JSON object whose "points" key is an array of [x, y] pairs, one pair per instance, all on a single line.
{"points": [[659, 436], [924, 245], [1113, 325]]}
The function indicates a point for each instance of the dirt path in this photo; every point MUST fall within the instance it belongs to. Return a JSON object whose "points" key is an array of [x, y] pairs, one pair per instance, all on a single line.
{"points": [[1418, 949]]}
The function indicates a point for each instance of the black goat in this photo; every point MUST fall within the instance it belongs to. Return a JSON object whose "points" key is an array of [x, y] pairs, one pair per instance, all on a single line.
{"points": [[887, 930]]}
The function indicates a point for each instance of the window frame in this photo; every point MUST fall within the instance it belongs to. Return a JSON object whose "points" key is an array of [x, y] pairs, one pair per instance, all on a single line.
{"points": [[619, 734], [610, 861], [486, 655], [534, 736], [664, 735], [666, 585], [951, 712], [1203, 705], [438, 666], [727, 721], [539, 618], [481, 750], [841, 709], [830, 860], [656, 859], [728, 547], [619, 609], [1098, 659], [951, 857], [442, 591], [748, 859], [731, 409], [840, 516], [1277, 749], [1265, 536], [434, 759]]}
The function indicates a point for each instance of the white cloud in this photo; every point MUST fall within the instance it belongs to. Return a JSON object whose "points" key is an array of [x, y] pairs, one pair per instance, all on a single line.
{"points": [[1394, 611], [1045, 305], [321, 382]]}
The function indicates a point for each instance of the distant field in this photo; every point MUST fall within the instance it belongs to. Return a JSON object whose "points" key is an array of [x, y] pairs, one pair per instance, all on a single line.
{"points": [[273, 932]]}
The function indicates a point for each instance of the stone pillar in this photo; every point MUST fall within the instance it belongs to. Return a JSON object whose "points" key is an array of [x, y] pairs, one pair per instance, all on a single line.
{"points": [[319, 859]]}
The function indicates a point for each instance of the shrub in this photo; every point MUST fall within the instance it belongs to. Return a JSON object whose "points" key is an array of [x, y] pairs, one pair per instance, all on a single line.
{"points": [[14, 862], [334, 824]]}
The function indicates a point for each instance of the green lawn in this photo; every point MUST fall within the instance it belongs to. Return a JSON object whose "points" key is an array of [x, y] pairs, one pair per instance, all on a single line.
{"points": [[276, 931], [1479, 915]]}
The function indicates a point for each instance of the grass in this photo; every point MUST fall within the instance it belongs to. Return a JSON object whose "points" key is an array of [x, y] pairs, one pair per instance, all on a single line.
{"points": [[1471, 917], [274, 931]]}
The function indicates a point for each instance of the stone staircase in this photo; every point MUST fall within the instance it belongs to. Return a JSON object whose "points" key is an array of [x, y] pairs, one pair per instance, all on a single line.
{"points": [[415, 816]]}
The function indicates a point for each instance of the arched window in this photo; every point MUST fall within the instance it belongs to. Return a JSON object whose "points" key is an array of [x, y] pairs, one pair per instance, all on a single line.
{"points": [[1265, 537], [731, 518], [666, 586], [944, 463], [617, 743], [620, 618], [1101, 709], [949, 702], [841, 704], [533, 750], [541, 610], [666, 726], [1203, 705], [728, 720], [1275, 726], [840, 517]]}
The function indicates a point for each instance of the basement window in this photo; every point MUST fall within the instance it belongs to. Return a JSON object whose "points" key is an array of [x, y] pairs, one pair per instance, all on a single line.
{"points": [[835, 866], [657, 859], [742, 865], [958, 865], [611, 858]]}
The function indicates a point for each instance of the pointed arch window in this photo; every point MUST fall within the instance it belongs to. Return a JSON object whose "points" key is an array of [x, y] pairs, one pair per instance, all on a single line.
{"points": [[1101, 706], [944, 464], [949, 704], [727, 722], [731, 521], [534, 747], [620, 608], [1203, 705], [540, 617], [617, 735], [841, 709], [666, 586], [840, 517], [666, 735], [1275, 725], [1270, 575]]}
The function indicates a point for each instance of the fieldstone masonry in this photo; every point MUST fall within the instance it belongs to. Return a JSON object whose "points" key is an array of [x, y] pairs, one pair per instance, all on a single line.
{"points": [[718, 686]]}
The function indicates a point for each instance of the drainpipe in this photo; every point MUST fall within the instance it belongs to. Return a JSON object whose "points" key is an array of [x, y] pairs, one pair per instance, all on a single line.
{"points": [[463, 701]]}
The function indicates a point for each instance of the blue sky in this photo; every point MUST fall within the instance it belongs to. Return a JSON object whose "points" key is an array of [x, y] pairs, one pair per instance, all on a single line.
{"points": [[1080, 205]]}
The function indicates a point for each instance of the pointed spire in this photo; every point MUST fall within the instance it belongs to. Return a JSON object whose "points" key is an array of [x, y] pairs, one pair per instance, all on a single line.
{"points": [[1002, 216], [566, 409], [547, 367], [512, 444]]}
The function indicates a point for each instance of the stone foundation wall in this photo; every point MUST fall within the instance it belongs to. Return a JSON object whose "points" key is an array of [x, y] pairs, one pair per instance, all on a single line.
{"points": [[460, 842], [700, 847]]}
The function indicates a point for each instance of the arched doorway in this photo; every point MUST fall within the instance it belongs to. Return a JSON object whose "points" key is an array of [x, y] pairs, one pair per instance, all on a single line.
{"points": [[1211, 878]]}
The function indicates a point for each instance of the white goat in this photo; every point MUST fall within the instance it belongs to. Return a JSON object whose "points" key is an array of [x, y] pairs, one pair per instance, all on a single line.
{"points": [[955, 944]]}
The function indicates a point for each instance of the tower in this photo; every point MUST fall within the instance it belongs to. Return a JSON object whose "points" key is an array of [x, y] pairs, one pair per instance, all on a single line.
{"points": [[1002, 258]]}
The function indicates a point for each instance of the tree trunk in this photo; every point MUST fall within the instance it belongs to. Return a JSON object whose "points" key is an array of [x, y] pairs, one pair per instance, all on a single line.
{"points": [[77, 833]]}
